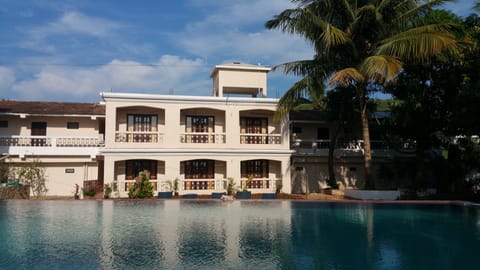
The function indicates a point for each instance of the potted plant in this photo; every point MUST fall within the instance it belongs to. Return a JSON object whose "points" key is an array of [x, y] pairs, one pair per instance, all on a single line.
{"points": [[107, 190], [230, 186], [175, 187], [245, 194]]}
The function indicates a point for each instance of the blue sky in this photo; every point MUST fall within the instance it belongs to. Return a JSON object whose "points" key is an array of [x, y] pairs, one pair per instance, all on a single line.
{"points": [[71, 50]]}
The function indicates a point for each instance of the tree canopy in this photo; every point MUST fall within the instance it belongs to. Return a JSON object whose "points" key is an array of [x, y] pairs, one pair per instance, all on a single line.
{"points": [[364, 44]]}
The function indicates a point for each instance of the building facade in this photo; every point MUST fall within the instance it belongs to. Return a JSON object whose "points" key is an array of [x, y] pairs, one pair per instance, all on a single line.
{"points": [[199, 141], [65, 138]]}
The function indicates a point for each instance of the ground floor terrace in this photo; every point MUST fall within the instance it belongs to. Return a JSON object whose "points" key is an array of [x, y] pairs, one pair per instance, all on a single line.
{"points": [[199, 174], [61, 174]]}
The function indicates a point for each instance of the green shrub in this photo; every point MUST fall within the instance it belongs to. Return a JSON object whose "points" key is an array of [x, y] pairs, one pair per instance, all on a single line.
{"points": [[89, 193], [107, 190], [142, 189]]}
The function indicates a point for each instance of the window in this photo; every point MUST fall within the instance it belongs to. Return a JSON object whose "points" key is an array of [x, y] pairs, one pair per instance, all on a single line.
{"points": [[73, 125], [39, 130], [296, 129], [199, 169], [3, 124], [323, 134], [253, 125], [133, 168], [200, 124], [250, 125], [254, 168], [142, 127]]}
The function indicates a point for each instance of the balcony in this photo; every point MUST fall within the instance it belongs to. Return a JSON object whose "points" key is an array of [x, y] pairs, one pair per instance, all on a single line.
{"points": [[320, 147], [46, 141], [203, 184], [138, 137], [207, 138], [50, 145], [254, 138], [185, 185]]}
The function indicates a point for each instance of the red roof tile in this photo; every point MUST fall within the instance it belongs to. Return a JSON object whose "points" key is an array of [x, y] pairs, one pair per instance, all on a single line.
{"points": [[51, 108]]}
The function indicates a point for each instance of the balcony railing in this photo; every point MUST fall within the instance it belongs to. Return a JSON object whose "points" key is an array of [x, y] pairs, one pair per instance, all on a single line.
{"points": [[261, 183], [253, 138], [197, 137], [157, 185], [354, 145], [203, 184], [138, 137], [49, 141]]}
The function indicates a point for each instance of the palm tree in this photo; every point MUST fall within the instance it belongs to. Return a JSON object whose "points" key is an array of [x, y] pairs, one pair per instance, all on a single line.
{"points": [[364, 44]]}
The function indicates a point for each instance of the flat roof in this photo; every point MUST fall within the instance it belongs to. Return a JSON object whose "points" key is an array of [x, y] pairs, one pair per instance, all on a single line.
{"points": [[134, 97], [239, 66]]}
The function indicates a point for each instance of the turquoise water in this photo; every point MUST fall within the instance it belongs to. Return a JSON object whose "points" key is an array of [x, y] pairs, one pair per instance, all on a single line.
{"points": [[174, 234]]}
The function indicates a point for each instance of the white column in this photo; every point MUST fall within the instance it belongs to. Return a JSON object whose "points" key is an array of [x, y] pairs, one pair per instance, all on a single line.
{"points": [[172, 127], [286, 172], [232, 119], [110, 124]]}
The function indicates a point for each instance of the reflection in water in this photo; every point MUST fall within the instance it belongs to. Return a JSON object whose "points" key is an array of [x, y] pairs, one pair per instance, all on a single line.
{"points": [[172, 234]]}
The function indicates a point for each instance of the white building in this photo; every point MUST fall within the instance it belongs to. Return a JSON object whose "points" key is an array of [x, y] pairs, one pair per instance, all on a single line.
{"points": [[65, 137], [201, 141]]}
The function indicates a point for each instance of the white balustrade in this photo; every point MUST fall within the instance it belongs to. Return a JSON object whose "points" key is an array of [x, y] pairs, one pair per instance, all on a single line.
{"points": [[198, 137], [255, 138], [50, 141]]}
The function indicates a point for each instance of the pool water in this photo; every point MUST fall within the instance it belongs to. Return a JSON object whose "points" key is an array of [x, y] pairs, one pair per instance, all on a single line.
{"points": [[190, 234]]}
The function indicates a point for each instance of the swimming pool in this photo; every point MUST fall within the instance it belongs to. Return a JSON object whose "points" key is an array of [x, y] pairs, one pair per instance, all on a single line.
{"points": [[190, 234]]}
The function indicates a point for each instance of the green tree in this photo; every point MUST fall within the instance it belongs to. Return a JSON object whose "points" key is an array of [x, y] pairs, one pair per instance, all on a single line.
{"points": [[439, 102], [309, 94], [33, 174], [364, 44]]}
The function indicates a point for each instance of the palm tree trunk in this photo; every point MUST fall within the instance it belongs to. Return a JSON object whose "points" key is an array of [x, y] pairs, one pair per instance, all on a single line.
{"points": [[367, 151], [332, 181]]}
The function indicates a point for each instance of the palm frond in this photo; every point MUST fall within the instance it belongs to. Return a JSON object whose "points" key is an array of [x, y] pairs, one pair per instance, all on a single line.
{"points": [[305, 107], [381, 69], [302, 68], [330, 35], [421, 44], [291, 98], [284, 20], [477, 6], [346, 77], [412, 10], [308, 90]]}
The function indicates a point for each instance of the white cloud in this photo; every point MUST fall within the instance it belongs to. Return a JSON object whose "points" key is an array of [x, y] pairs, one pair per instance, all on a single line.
{"points": [[224, 33], [169, 73], [268, 47], [238, 13], [76, 22], [69, 24], [7, 78]]}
